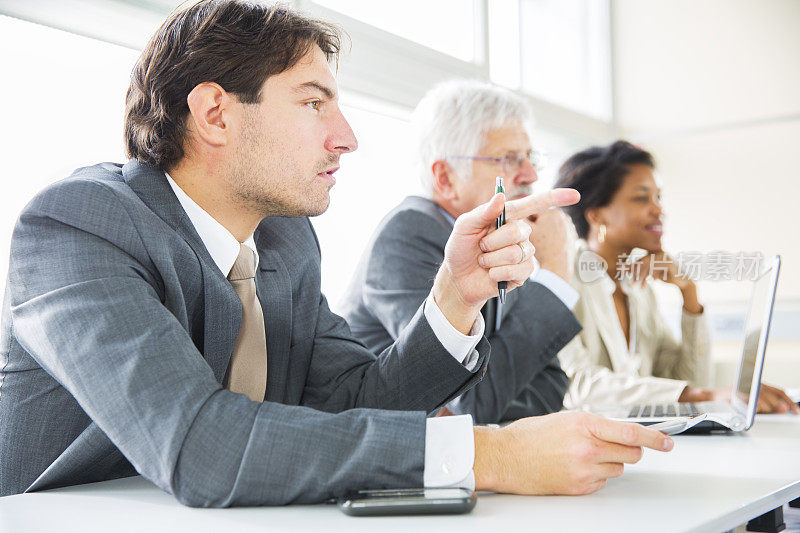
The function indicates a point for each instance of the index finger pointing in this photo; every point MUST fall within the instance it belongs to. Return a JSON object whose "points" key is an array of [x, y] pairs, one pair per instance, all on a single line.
{"points": [[630, 434], [536, 203]]}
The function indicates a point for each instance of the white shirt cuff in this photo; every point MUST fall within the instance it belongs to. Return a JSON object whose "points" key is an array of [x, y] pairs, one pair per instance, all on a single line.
{"points": [[449, 452], [563, 290], [460, 346]]}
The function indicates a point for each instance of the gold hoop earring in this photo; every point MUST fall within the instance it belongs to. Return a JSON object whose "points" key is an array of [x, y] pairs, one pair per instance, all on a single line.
{"points": [[601, 233]]}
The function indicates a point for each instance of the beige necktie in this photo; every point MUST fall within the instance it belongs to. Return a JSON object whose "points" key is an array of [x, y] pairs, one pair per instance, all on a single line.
{"points": [[247, 373]]}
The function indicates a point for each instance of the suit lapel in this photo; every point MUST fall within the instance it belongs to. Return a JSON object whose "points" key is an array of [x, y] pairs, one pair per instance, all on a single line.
{"points": [[223, 310], [274, 290], [223, 318], [607, 322], [489, 312]]}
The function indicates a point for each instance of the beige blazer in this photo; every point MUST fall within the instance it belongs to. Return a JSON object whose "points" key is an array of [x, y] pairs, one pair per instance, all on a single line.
{"points": [[655, 367]]}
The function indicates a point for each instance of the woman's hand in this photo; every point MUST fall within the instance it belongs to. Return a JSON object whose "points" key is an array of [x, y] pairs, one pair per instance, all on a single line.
{"points": [[774, 400], [770, 399], [698, 394], [660, 266]]}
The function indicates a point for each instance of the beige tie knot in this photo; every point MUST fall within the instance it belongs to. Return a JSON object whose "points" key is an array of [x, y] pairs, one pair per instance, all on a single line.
{"points": [[245, 265]]}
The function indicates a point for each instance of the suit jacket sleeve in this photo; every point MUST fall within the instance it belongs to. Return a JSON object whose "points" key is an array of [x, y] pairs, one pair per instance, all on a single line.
{"points": [[409, 374], [524, 377], [688, 359], [88, 305], [401, 266]]}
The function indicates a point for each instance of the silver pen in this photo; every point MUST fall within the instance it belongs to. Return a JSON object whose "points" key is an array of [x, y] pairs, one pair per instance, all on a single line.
{"points": [[501, 285]]}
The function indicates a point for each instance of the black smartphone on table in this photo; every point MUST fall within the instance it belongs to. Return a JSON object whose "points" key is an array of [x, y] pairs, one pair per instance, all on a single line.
{"points": [[408, 502]]}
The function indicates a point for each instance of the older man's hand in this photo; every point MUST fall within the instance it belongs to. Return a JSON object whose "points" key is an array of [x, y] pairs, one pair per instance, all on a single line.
{"points": [[553, 236]]}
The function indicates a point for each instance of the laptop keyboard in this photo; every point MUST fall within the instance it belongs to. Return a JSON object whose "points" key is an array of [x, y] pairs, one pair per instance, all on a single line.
{"points": [[663, 409]]}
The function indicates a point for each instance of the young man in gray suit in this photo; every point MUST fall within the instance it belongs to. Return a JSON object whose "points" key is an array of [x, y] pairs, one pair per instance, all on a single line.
{"points": [[165, 317], [468, 133]]}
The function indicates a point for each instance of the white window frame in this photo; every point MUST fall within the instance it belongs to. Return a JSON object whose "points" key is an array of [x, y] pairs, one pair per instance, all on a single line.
{"points": [[363, 68]]}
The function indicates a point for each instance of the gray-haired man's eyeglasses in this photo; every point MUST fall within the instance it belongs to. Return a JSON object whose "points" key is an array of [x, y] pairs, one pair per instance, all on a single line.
{"points": [[512, 162]]}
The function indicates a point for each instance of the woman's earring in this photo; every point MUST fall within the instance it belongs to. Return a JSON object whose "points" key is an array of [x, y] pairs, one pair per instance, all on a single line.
{"points": [[601, 233]]}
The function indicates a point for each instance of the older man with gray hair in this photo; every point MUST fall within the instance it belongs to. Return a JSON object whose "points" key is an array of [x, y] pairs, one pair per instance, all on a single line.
{"points": [[469, 133]]}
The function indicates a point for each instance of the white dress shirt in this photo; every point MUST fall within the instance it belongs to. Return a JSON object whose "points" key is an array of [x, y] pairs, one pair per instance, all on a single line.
{"points": [[449, 441]]}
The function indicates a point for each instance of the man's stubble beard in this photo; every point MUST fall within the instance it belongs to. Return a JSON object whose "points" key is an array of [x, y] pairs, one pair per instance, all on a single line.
{"points": [[272, 191]]}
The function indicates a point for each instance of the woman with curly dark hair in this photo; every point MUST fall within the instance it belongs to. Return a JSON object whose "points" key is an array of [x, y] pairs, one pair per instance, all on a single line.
{"points": [[626, 353]]}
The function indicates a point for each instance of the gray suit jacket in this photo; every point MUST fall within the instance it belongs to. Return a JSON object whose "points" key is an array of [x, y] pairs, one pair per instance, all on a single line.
{"points": [[117, 329], [395, 275]]}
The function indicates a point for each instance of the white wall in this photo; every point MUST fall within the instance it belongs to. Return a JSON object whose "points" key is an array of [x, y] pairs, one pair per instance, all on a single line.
{"points": [[712, 88], [704, 63]]}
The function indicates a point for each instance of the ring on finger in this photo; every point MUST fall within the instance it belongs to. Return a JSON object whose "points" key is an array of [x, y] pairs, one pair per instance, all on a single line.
{"points": [[523, 253]]}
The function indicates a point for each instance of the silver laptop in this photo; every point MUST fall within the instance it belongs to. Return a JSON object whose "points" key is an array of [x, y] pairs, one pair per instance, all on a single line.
{"points": [[739, 413]]}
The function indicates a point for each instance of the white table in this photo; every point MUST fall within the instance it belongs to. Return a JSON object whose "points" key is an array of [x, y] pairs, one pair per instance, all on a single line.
{"points": [[707, 483]]}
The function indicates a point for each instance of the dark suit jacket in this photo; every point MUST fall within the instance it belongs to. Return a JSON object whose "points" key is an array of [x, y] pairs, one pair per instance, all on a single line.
{"points": [[395, 275], [117, 329]]}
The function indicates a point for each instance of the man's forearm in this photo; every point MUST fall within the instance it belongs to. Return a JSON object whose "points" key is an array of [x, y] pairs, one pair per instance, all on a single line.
{"points": [[561, 453], [487, 458]]}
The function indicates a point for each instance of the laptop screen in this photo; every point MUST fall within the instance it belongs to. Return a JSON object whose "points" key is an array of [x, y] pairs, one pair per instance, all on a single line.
{"points": [[755, 332]]}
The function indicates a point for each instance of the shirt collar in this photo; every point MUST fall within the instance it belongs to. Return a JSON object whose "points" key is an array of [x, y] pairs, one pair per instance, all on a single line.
{"points": [[447, 215], [608, 284], [222, 246]]}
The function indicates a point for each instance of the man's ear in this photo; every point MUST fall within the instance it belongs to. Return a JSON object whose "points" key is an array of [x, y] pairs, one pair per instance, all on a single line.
{"points": [[444, 180], [209, 113]]}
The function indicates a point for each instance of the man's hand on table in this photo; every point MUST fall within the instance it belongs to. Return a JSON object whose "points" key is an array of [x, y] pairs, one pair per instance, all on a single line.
{"points": [[561, 453]]}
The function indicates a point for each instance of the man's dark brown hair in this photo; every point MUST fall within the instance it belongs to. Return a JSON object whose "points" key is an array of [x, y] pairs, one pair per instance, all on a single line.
{"points": [[234, 43]]}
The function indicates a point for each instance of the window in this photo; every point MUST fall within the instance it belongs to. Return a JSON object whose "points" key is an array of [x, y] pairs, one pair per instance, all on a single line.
{"points": [[69, 93], [555, 50], [372, 180], [504, 57], [444, 25], [565, 47], [68, 96]]}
